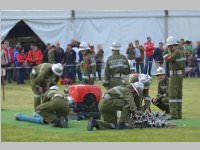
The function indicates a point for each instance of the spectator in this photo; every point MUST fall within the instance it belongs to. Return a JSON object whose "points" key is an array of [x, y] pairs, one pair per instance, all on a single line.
{"points": [[75, 47], [197, 57], [10, 57], [45, 54], [70, 59], [35, 55], [92, 58], [59, 54], [51, 54], [158, 55], [131, 56], [21, 59], [4, 61], [149, 48], [139, 56], [16, 70], [99, 60]]}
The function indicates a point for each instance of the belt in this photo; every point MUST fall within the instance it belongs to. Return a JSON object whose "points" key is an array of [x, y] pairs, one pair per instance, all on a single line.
{"points": [[175, 72], [118, 75]]}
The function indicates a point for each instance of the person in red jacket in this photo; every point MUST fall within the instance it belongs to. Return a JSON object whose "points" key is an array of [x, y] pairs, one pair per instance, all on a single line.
{"points": [[35, 55], [149, 49], [10, 58], [21, 60]]}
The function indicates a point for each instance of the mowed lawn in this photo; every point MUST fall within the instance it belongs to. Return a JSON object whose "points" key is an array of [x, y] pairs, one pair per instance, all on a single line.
{"points": [[19, 98]]}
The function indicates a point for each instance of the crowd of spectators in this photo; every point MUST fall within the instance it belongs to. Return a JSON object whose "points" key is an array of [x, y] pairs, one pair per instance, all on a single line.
{"points": [[143, 56], [16, 63]]}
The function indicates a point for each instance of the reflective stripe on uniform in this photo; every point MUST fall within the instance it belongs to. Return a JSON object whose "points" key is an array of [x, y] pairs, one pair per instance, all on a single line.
{"points": [[180, 59], [93, 64], [119, 75], [178, 72], [117, 90], [85, 77], [42, 66], [36, 95], [58, 95], [118, 65], [147, 98], [175, 100]]}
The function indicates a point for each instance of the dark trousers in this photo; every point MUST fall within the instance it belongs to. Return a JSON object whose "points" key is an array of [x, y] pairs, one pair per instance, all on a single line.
{"points": [[148, 64], [9, 73], [78, 72], [21, 75], [139, 64], [71, 72], [98, 70]]}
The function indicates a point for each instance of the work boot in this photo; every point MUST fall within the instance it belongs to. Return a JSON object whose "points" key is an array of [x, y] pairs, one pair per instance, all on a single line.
{"points": [[122, 125], [55, 123], [63, 123], [91, 124]]}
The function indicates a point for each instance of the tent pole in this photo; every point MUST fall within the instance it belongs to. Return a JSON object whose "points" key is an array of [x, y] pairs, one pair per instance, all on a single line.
{"points": [[166, 24]]}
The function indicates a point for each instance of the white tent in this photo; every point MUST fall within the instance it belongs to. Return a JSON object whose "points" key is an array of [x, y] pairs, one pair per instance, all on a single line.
{"points": [[105, 26]]}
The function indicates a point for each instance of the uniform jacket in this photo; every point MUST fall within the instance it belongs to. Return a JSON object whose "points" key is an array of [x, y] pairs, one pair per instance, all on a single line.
{"points": [[149, 48], [115, 65], [176, 60], [163, 88], [42, 75], [121, 98], [51, 57], [35, 57]]}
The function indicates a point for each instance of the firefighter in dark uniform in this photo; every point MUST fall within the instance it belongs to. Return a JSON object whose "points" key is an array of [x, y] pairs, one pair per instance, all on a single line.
{"points": [[117, 67], [162, 99], [176, 60]]}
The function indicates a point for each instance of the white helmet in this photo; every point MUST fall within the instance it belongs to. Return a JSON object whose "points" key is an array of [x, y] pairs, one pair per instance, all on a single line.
{"points": [[53, 88], [57, 69], [116, 46], [171, 41], [138, 86], [84, 46], [145, 79], [160, 71]]}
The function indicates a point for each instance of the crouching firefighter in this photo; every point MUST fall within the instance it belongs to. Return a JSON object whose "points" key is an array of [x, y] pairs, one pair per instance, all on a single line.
{"points": [[54, 108], [162, 98], [42, 76], [146, 80], [119, 98]]}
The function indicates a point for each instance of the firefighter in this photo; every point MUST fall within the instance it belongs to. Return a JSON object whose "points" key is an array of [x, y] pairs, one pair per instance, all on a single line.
{"points": [[118, 98], [176, 60], [88, 66], [162, 99], [54, 108], [42, 76], [117, 67], [146, 80]]}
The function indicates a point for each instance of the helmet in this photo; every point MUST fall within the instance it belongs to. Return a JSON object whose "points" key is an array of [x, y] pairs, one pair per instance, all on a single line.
{"points": [[138, 86], [171, 41], [57, 69], [84, 46], [116, 46], [145, 79], [160, 71], [53, 88]]}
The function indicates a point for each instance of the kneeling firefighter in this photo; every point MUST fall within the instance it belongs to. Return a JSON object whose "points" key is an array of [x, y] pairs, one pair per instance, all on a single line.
{"points": [[119, 98], [54, 108]]}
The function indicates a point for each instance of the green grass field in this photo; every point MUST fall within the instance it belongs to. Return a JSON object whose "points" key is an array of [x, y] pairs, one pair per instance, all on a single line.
{"points": [[20, 99]]}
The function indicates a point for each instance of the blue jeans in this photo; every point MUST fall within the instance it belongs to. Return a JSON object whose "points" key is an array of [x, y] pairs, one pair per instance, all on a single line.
{"points": [[148, 64], [71, 72], [98, 70], [139, 64]]}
